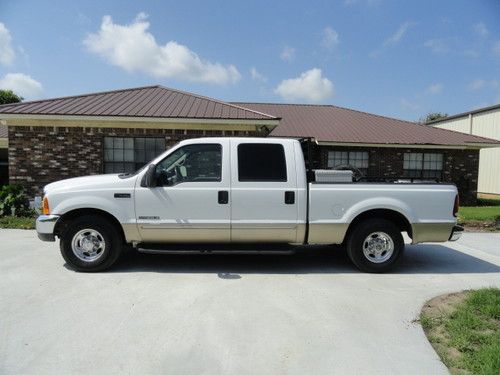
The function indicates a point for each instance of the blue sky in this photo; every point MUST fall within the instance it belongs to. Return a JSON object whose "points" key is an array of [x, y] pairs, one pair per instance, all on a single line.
{"points": [[395, 58]]}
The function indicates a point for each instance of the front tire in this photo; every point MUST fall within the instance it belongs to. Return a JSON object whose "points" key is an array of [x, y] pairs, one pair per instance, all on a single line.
{"points": [[375, 245], [90, 244]]}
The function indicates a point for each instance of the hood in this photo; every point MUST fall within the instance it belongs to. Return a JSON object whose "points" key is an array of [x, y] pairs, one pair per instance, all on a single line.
{"points": [[83, 183]]}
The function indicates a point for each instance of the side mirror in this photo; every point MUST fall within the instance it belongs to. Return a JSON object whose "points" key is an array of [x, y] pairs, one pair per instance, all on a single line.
{"points": [[148, 180]]}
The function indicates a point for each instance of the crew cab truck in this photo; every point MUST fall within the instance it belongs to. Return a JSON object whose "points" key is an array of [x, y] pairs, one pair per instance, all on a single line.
{"points": [[238, 191]]}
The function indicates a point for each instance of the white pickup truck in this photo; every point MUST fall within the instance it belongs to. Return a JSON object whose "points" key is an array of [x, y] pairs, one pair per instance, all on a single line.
{"points": [[237, 191]]}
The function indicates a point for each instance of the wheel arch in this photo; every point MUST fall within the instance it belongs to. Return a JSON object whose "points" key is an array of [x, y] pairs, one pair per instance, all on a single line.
{"points": [[395, 217], [78, 212]]}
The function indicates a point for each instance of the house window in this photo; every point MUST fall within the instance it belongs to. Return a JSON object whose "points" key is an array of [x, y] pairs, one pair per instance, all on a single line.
{"points": [[129, 154], [423, 165], [356, 159]]}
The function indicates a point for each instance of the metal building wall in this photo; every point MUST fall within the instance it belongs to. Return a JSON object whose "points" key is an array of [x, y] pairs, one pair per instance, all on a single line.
{"points": [[485, 124]]}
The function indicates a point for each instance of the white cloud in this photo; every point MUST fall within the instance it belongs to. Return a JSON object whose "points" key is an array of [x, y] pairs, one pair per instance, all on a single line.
{"points": [[288, 53], [7, 53], [330, 38], [472, 53], [393, 39], [133, 48], [256, 76], [496, 48], [411, 106], [438, 46], [399, 34], [367, 2], [477, 84], [480, 84], [22, 84], [481, 29], [435, 88], [310, 86]]}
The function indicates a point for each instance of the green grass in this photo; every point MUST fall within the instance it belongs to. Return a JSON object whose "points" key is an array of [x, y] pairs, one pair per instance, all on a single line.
{"points": [[483, 213], [467, 337], [17, 222]]}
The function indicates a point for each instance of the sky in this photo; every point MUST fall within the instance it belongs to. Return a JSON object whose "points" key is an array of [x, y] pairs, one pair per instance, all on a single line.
{"points": [[402, 59]]}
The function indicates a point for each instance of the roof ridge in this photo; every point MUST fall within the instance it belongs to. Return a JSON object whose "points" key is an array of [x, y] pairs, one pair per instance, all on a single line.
{"points": [[80, 95], [140, 88], [231, 104], [333, 106]]}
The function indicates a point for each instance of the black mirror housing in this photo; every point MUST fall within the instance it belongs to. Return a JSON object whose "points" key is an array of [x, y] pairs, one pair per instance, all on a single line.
{"points": [[148, 180]]}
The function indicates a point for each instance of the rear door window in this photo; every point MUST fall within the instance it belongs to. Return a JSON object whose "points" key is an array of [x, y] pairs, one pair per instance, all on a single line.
{"points": [[261, 162]]}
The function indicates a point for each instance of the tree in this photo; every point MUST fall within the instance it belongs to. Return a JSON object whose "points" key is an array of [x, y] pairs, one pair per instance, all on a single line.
{"points": [[433, 116], [8, 96]]}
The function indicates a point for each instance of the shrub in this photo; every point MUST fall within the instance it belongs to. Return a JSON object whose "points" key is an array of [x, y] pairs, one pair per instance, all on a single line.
{"points": [[14, 202]]}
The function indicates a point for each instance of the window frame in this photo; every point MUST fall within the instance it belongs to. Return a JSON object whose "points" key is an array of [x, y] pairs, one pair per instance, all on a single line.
{"points": [[136, 164], [219, 180], [246, 180], [348, 154], [424, 172]]}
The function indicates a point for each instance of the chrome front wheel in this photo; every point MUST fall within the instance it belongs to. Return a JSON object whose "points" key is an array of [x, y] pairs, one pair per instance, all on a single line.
{"points": [[88, 245]]}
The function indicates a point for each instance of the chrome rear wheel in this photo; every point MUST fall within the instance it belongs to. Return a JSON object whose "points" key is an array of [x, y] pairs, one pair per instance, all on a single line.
{"points": [[378, 247]]}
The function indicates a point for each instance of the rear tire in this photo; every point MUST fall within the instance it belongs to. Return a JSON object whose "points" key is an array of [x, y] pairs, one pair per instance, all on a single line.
{"points": [[90, 244], [375, 245]]}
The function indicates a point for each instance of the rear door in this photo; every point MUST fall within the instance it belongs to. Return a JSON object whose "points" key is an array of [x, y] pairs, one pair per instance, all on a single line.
{"points": [[263, 191]]}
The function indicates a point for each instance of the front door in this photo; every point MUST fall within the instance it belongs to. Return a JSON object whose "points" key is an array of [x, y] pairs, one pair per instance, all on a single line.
{"points": [[191, 200]]}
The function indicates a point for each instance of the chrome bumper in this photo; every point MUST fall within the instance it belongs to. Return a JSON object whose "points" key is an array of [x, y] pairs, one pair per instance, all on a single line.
{"points": [[456, 233], [45, 225]]}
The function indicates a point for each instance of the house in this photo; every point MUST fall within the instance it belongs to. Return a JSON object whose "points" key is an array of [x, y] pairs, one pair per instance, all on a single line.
{"points": [[484, 122], [4, 164], [119, 131]]}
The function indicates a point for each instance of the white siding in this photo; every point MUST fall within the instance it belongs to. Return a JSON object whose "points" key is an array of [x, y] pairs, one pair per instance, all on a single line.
{"points": [[459, 125], [485, 124], [489, 171]]}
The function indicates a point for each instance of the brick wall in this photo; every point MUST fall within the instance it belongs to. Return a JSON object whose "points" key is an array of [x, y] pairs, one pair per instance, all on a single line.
{"points": [[41, 155], [459, 166]]}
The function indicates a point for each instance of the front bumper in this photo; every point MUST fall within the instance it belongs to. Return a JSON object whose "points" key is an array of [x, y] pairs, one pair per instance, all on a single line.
{"points": [[456, 233], [45, 225]]}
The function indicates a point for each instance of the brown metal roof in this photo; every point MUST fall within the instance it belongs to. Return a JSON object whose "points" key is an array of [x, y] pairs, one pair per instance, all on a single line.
{"points": [[150, 101], [3, 131], [328, 123]]}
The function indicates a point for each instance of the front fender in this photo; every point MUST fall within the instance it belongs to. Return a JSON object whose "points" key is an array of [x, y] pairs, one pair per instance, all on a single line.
{"points": [[121, 209]]}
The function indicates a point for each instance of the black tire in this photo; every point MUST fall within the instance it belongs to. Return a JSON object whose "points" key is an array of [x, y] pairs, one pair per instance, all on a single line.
{"points": [[356, 242], [108, 234]]}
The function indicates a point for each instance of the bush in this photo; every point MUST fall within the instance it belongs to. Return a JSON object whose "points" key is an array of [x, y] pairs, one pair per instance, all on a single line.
{"points": [[14, 202]]}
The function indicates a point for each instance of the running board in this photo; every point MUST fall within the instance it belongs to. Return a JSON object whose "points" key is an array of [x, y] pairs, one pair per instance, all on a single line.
{"points": [[217, 249]]}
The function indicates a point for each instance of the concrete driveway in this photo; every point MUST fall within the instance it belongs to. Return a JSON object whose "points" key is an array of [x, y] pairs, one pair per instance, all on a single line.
{"points": [[310, 313]]}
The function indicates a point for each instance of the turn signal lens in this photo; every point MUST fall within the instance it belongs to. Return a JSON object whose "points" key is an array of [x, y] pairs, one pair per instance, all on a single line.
{"points": [[45, 206], [456, 206]]}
